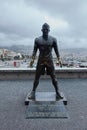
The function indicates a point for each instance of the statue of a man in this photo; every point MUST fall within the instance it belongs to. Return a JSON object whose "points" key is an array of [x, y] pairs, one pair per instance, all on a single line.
{"points": [[45, 43]]}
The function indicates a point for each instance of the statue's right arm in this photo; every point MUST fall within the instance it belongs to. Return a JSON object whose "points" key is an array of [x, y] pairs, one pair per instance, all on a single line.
{"points": [[34, 52], [35, 49]]}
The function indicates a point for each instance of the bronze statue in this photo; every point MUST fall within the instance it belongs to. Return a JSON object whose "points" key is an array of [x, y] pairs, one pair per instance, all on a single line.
{"points": [[45, 43]]}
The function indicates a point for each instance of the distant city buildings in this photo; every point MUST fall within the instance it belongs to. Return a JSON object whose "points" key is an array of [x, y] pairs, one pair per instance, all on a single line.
{"points": [[23, 54], [8, 54]]}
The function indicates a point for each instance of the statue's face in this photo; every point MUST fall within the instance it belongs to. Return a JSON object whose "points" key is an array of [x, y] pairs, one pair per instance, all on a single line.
{"points": [[45, 30]]}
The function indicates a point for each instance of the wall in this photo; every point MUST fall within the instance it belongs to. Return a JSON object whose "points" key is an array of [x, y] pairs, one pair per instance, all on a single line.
{"points": [[29, 73]]}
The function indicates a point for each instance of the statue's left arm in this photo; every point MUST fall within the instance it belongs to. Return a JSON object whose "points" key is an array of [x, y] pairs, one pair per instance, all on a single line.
{"points": [[57, 51]]}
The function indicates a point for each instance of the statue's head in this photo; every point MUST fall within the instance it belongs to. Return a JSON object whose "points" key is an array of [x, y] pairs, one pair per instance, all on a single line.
{"points": [[45, 28]]}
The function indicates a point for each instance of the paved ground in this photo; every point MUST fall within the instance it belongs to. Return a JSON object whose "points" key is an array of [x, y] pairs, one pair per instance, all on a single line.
{"points": [[12, 108]]}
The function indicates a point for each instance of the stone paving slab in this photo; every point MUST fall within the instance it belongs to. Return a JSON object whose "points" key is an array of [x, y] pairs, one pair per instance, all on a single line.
{"points": [[12, 108]]}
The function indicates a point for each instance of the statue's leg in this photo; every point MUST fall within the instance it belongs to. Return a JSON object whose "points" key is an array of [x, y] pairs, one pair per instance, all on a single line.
{"points": [[55, 84], [36, 81], [35, 84]]}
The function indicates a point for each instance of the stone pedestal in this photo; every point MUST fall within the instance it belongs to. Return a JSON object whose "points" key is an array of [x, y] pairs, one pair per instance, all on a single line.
{"points": [[45, 96], [45, 105]]}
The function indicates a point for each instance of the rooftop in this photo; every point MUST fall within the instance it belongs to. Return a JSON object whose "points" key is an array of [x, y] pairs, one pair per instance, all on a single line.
{"points": [[12, 108]]}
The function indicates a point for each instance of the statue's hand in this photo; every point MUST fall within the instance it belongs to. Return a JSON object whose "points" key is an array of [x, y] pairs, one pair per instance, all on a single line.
{"points": [[60, 62], [31, 63]]}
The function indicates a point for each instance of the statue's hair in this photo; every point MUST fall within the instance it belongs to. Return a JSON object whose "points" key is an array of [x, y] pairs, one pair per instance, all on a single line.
{"points": [[45, 25]]}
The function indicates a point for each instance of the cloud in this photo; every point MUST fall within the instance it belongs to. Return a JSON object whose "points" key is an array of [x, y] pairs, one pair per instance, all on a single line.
{"points": [[72, 11], [17, 19], [12, 39], [21, 21], [56, 23]]}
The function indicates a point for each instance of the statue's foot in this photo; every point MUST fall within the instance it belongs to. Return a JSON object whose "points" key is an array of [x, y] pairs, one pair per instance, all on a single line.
{"points": [[32, 95], [58, 96]]}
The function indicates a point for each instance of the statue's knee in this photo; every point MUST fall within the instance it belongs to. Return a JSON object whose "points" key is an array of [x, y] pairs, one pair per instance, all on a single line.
{"points": [[36, 82], [54, 81]]}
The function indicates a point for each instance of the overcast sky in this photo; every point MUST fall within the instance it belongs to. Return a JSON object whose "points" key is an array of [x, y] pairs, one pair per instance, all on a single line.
{"points": [[21, 21]]}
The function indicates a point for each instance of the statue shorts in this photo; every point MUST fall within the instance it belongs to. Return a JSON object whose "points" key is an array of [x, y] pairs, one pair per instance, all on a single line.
{"points": [[45, 66]]}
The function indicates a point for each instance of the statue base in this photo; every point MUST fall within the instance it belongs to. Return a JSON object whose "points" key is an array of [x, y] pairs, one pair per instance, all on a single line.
{"points": [[45, 105], [46, 109], [45, 96]]}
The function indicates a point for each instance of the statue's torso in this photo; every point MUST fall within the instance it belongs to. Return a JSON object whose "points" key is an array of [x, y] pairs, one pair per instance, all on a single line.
{"points": [[45, 46]]}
